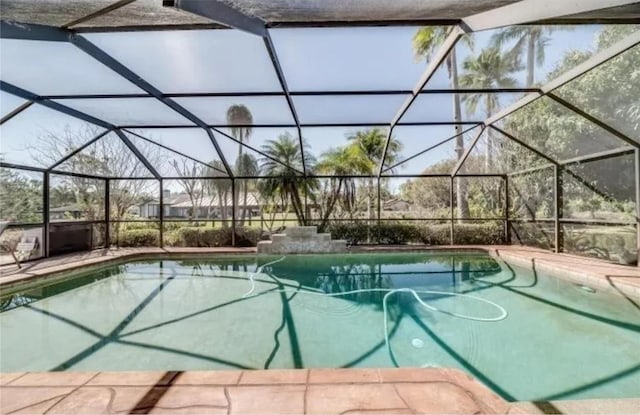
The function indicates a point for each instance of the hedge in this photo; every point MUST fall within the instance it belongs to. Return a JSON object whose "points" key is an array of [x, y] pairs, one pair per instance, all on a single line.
{"points": [[187, 236], [358, 233], [136, 237]]}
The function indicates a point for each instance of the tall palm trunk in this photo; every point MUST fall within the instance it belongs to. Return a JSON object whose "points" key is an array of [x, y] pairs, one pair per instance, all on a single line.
{"points": [[531, 56], [333, 198], [236, 194], [488, 159], [461, 191], [370, 200], [297, 203], [489, 155], [370, 207], [221, 208], [245, 189]]}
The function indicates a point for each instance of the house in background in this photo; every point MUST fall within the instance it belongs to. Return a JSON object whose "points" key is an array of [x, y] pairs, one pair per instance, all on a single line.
{"points": [[396, 205], [180, 206], [67, 212]]}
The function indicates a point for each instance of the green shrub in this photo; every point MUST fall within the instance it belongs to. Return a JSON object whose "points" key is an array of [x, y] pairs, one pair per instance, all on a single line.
{"points": [[396, 233], [246, 236], [137, 238], [129, 226], [437, 234], [354, 233], [200, 236], [491, 233], [197, 236]]}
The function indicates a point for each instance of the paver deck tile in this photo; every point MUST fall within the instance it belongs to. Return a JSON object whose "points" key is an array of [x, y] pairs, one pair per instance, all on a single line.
{"points": [[343, 398], [344, 376], [283, 400], [273, 377], [31, 399], [54, 379], [100, 400]]}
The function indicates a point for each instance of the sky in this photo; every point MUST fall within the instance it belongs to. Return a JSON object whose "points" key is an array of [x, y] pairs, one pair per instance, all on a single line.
{"points": [[322, 59]]}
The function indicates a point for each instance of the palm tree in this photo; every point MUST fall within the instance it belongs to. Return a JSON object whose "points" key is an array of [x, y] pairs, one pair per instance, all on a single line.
{"points": [[220, 187], [489, 70], [340, 162], [371, 144], [246, 165], [426, 42], [240, 120], [530, 41], [283, 180]]}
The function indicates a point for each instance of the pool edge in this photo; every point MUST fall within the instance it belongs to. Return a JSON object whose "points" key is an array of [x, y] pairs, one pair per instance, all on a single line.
{"points": [[601, 275]]}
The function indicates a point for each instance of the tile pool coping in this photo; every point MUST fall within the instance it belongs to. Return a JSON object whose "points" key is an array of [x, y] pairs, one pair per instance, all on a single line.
{"points": [[405, 390]]}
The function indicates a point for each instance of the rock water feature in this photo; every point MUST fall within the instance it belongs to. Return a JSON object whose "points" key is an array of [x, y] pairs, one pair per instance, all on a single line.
{"points": [[301, 240]]}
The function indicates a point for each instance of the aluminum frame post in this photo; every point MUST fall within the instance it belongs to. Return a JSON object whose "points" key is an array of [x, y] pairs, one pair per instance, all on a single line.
{"points": [[379, 201], [558, 207], [637, 189], [233, 211], [46, 219], [452, 211], [507, 200], [161, 212], [107, 213]]}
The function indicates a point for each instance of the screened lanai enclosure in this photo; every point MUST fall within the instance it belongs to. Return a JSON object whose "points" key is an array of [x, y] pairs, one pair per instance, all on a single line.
{"points": [[192, 123]]}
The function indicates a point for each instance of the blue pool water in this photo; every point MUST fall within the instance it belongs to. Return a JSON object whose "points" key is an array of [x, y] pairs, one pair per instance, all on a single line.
{"points": [[526, 335]]}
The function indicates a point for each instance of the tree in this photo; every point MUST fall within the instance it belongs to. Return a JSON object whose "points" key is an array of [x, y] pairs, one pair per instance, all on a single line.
{"points": [[219, 188], [187, 172], [246, 165], [425, 43], [283, 180], [240, 120], [370, 144], [489, 70], [530, 42], [20, 196], [107, 157], [561, 134], [339, 190]]}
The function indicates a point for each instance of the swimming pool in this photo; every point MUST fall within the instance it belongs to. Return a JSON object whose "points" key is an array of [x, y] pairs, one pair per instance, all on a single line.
{"points": [[526, 335]]}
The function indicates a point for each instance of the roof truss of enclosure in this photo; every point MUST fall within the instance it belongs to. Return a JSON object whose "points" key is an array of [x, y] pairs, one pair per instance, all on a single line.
{"points": [[156, 82]]}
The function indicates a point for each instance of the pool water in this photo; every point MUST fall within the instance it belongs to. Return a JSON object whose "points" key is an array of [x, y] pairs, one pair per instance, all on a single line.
{"points": [[526, 335]]}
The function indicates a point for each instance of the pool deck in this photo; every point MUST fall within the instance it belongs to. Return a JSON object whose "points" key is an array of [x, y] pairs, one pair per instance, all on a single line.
{"points": [[313, 391], [296, 391], [301, 391]]}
